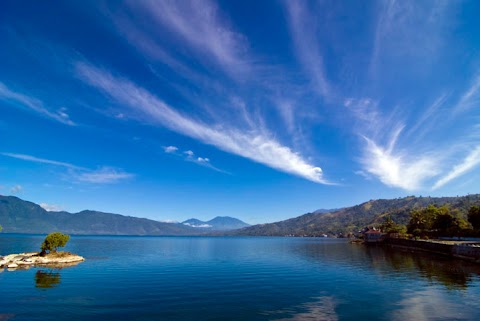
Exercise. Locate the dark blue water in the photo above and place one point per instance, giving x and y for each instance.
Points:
(216, 278)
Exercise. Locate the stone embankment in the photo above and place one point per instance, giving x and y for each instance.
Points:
(14, 261)
(461, 250)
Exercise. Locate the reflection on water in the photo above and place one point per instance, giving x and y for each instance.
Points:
(320, 309)
(47, 279)
(51, 278)
(454, 274)
(429, 304)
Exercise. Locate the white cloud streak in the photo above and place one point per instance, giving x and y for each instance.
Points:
(428, 119)
(470, 98)
(251, 145)
(34, 104)
(469, 163)
(103, 175)
(41, 160)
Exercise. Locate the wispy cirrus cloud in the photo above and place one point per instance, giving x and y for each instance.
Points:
(34, 104)
(215, 59)
(41, 160)
(303, 29)
(470, 98)
(467, 164)
(397, 33)
(102, 175)
(252, 145)
(201, 27)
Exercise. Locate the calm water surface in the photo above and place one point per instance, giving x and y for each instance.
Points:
(203, 278)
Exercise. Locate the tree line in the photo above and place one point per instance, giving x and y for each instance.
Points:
(435, 221)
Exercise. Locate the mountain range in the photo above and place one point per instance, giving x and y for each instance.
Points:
(19, 216)
(352, 219)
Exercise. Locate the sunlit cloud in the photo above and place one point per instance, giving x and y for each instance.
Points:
(251, 145)
(397, 170)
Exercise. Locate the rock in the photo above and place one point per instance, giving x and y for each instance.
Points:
(33, 258)
(12, 266)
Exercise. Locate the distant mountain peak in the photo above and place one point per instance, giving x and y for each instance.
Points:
(219, 223)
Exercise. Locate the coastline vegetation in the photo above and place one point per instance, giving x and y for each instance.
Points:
(436, 221)
(433, 222)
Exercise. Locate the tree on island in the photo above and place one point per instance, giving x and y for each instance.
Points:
(53, 241)
(1, 228)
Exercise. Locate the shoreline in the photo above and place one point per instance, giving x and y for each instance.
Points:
(464, 251)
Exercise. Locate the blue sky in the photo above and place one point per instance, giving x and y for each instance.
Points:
(262, 110)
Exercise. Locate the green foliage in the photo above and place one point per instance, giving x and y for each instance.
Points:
(437, 221)
(424, 220)
(390, 227)
(1, 228)
(474, 217)
(54, 241)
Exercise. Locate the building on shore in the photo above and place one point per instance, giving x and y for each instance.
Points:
(373, 235)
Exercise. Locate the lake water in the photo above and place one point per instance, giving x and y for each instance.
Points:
(235, 278)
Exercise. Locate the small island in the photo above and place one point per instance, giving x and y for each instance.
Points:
(48, 255)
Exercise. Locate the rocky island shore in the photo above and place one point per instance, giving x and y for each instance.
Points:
(13, 261)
